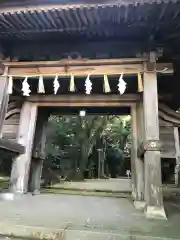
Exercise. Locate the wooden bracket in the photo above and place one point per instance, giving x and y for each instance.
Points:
(150, 66)
(149, 145)
(152, 145)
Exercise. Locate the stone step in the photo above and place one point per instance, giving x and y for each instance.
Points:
(86, 192)
(19, 232)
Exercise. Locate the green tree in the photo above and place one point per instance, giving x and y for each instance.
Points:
(71, 140)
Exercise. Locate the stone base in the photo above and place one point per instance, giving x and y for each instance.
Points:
(36, 192)
(7, 196)
(154, 212)
(140, 205)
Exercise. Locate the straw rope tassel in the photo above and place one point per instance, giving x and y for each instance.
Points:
(10, 85)
(72, 87)
(107, 88)
(140, 83)
(56, 84)
(26, 87)
(41, 85)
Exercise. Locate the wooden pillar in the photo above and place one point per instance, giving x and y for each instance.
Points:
(21, 164)
(36, 171)
(152, 159)
(177, 147)
(4, 98)
(139, 163)
(100, 163)
(133, 151)
(38, 152)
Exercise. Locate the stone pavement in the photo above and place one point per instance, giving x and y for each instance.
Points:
(112, 184)
(83, 217)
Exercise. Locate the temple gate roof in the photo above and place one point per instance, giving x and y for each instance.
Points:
(130, 19)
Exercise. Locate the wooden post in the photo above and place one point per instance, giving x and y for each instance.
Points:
(102, 163)
(38, 152)
(21, 164)
(152, 160)
(4, 98)
(139, 164)
(36, 171)
(177, 147)
(99, 163)
(133, 151)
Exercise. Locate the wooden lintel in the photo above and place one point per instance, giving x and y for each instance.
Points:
(11, 146)
(74, 62)
(83, 67)
(76, 70)
(84, 101)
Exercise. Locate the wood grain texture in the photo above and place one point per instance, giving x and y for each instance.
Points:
(4, 98)
(11, 146)
(83, 67)
(152, 159)
(21, 164)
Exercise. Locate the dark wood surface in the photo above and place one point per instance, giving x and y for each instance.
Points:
(11, 146)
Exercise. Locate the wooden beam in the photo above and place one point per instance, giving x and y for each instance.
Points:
(83, 100)
(86, 98)
(83, 67)
(11, 146)
(76, 70)
(164, 68)
(75, 62)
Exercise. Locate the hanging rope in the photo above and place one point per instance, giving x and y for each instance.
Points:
(107, 88)
(140, 83)
(72, 87)
(41, 88)
(10, 85)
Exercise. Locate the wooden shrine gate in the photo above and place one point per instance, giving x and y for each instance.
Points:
(145, 160)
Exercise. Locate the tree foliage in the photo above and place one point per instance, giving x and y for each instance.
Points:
(73, 139)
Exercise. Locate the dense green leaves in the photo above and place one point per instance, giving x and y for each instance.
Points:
(72, 140)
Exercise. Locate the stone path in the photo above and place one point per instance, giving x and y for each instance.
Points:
(84, 217)
(116, 185)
